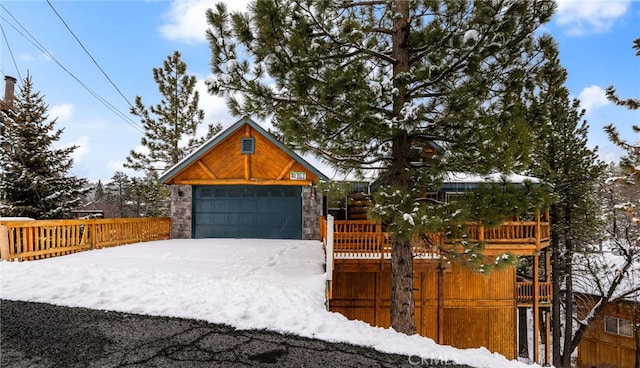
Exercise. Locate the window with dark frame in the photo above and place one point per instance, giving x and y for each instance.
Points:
(618, 326)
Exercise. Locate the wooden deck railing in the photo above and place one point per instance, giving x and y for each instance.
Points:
(524, 292)
(32, 240)
(366, 239)
(509, 232)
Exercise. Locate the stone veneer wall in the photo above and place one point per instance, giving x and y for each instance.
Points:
(181, 199)
(311, 212)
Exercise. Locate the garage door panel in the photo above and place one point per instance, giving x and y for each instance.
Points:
(233, 205)
(202, 206)
(247, 212)
(217, 206)
(262, 205)
(237, 232)
(263, 218)
(277, 219)
(249, 205)
(278, 206)
(206, 218)
(236, 219)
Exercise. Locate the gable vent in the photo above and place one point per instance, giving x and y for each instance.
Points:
(247, 146)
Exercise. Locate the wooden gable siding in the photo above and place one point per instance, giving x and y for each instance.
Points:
(225, 164)
(475, 309)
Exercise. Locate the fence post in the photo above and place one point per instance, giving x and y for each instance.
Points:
(93, 235)
(329, 262)
(4, 243)
(538, 233)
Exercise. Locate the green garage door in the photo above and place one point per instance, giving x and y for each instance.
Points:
(226, 211)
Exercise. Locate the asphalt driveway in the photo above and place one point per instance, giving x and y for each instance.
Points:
(44, 335)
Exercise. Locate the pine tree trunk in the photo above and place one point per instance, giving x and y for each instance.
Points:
(402, 302)
(637, 326)
(523, 333)
(556, 326)
(568, 303)
(542, 327)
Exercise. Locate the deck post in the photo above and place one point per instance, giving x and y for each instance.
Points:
(379, 235)
(538, 231)
(4, 243)
(93, 235)
(547, 346)
(329, 262)
(536, 309)
(547, 265)
(440, 304)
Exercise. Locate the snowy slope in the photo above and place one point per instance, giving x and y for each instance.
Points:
(263, 284)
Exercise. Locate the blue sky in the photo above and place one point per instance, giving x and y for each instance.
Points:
(128, 39)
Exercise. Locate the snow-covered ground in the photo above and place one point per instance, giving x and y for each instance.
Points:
(249, 284)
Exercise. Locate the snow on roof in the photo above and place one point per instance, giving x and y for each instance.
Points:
(461, 177)
(450, 177)
(606, 264)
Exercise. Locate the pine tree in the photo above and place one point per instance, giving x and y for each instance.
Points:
(361, 83)
(170, 126)
(155, 195)
(563, 160)
(35, 178)
(99, 194)
(608, 272)
(631, 161)
(119, 188)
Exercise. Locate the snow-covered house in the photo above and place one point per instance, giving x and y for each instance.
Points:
(612, 336)
(610, 340)
(454, 305)
(244, 183)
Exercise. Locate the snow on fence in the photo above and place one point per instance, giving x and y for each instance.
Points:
(38, 239)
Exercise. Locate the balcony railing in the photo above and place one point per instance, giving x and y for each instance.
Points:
(524, 292)
(366, 239)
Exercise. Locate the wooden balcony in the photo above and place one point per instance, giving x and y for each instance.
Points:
(525, 291)
(362, 245)
(363, 239)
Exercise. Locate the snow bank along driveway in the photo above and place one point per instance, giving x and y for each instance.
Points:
(246, 283)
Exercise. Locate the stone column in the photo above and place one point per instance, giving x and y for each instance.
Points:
(311, 212)
(181, 202)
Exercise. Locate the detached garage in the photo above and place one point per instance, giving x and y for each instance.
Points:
(244, 183)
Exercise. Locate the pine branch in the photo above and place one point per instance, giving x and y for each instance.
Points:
(631, 103)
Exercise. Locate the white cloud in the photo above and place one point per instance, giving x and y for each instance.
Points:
(592, 98)
(215, 108)
(62, 112)
(581, 17)
(141, 149)
(81, 150)
(26, 57)
(115, 165)
(186, 19)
